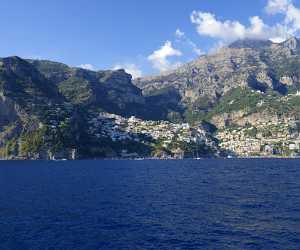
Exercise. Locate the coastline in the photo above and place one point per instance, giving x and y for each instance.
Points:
(159, 159)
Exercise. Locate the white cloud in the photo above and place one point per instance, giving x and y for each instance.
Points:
(293, 18)
(289, 10)
(130, 68)
(180, 35)
(208, 25)
(277, 6)
(160, 58)
(87, 66)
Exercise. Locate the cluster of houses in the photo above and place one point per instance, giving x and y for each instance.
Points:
(265, 139)
(118, 128)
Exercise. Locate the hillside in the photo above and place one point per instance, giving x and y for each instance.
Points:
(257, 65)
(244, 100)
(51, 111)
(248, 85)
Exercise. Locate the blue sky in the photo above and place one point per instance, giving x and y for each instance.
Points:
(139, 35)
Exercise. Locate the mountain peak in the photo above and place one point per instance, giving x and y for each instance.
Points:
(249, 43)
(292, 43)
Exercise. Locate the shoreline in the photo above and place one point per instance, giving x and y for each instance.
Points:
(157, 159)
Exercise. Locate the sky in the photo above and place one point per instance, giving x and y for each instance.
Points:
(143, 36)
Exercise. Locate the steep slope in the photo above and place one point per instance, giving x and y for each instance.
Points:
(111, 90)
(44, 105)
(24, 91)
(250, 91)
(35, 119)
(21, 81)
(258, 65)
(243, 100)
(51, 111)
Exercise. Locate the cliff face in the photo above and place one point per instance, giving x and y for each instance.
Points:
(259, 65)
(43, 106)
(250, 91)
(247, 94)
(8, 111)
(111, 90)
(51, 111)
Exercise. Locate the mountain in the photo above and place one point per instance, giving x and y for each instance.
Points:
(49, 110)
(110, 90)
(258, 65)
(249, 84)
(113, 91)
(243, 100)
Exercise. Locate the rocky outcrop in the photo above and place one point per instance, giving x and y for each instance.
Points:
(8, 111)
(242, 119)
(49, 110)
(261, 65)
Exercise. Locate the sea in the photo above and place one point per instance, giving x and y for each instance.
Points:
(188, 204)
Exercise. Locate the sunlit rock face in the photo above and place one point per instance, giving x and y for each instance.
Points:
(260, 65)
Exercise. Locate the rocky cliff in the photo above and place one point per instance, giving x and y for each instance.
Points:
(258, 65)
(251, 85)
(51, 111)
(243, 100)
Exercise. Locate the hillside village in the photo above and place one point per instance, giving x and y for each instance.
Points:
(242, 101)
(264, 139)
(169, 137)
(265, 136)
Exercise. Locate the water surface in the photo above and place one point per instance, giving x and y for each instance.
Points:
(209, 204)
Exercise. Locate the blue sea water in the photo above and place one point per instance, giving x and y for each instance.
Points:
(209, 204)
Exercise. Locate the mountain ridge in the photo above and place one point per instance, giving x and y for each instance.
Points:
(239, 64)
(244, 100)
(49, 110)
(250, 84)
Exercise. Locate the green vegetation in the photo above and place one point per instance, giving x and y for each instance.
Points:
(50, 102)
(280, 105)
(203, 103)
(10, 148)
(113, 149)
(76, 90)
(243, 99)
(238, 99)
(195, 116)
(251, 132)
(32, 142)
(160, 91)
(288, 67)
